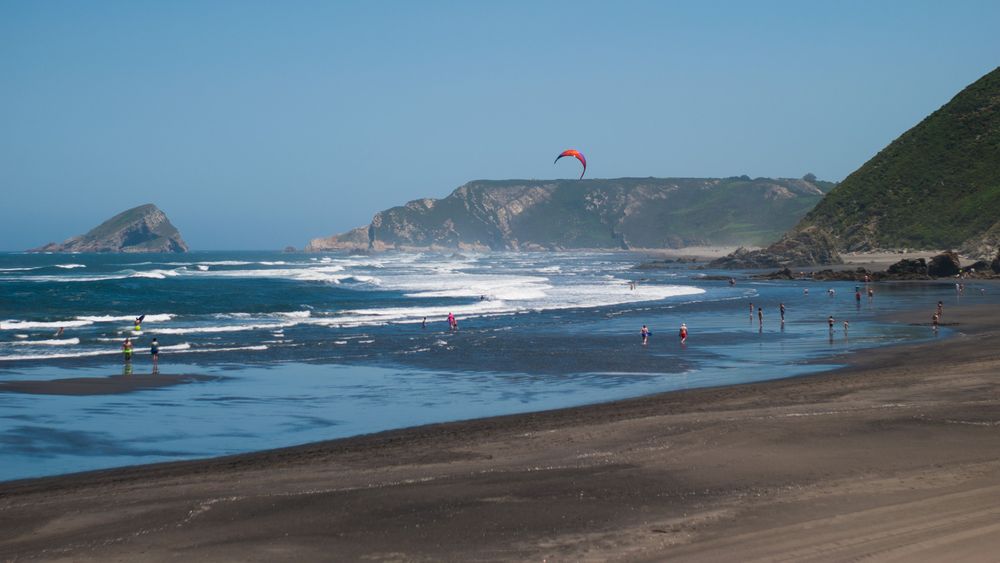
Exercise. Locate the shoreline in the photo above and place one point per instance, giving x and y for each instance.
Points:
(707, 473)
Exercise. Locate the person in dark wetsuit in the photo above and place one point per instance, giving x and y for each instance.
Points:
(781, 308)
(154, 351)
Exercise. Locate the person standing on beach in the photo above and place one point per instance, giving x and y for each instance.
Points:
(781, 307)
(940, 309)
(829, 321)
(751, 312)
(154, 351)
(760, 317)
(871, 293)
(423, 323)
(934, 321)
(645, 334)
(452, 321)
(127, 349)
(847, 324)
(684, 333)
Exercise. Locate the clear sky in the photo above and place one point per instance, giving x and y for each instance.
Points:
(256, 125)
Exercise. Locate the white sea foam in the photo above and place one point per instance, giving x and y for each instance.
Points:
(205, 329)
(27, 325)
(53, 356)
(70, 266)
(18, 269)
(184, 347)
(50, 342)
(156, 318)
(155, 274)
(203, 267)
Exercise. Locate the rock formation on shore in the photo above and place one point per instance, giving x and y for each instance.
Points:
(140, 229)
(574, 214)
(936, 186)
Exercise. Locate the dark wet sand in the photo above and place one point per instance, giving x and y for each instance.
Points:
(896, 457)
(109, 385)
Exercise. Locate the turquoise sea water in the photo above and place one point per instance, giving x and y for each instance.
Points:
(303, 347)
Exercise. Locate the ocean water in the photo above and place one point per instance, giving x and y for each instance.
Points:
(304, 347)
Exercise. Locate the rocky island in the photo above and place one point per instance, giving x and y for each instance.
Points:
(623, 213)
(140, 229)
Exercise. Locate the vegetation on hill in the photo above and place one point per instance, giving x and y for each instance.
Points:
(936, 186)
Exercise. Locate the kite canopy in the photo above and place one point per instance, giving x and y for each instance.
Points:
(579, 156)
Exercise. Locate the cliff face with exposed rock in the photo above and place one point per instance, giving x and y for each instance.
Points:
(140, 229)
(573, 214)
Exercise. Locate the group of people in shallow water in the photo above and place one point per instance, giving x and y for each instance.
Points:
(128, 348)
(646, 333)
(154, 351)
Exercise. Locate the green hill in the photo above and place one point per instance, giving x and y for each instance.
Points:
(936, 186)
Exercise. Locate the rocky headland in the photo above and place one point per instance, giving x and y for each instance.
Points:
(624, 213)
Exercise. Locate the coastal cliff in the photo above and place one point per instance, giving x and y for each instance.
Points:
(140, 229)
(619, 213)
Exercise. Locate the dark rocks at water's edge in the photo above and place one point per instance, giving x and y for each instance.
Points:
(945, 265)
(289, 249)
(665, 263)
(807, 247)
(140, 229)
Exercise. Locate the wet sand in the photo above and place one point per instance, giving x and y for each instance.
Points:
(109, 385)
(896, 457)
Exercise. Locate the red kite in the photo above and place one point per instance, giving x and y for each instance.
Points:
(579, 156)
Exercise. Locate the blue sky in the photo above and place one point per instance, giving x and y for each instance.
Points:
(257, 125)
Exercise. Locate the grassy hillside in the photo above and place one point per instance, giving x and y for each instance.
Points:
(936, 186)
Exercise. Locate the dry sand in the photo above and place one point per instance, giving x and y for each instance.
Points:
(896, 457)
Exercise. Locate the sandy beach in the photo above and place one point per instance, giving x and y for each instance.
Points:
(894, 457)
